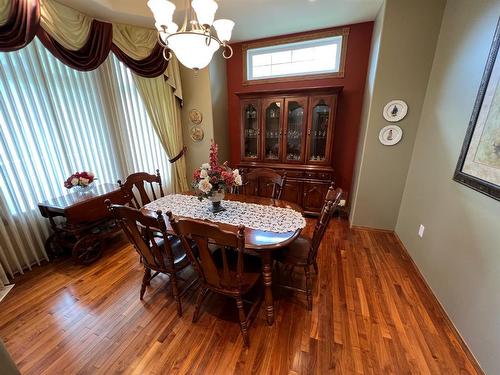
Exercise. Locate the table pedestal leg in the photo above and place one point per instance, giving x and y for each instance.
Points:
(267, 262)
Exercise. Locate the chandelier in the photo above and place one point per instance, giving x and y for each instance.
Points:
(194, 43)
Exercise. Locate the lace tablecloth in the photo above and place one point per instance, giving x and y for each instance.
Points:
(251, 215)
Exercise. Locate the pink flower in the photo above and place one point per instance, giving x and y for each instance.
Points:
(214, 154)
(79, 179)
(227, 177)
(196, 174)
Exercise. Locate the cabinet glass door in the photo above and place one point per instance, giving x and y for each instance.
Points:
(296, 109)
(320, 129)
(272, 110)
(251, 131)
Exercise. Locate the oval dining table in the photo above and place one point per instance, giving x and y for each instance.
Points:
(261, 242)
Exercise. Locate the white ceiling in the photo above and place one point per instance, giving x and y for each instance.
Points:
(254, 18)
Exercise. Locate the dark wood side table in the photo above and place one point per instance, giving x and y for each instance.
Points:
(86, 221)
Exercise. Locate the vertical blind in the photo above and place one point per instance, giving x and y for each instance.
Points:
(54, 121)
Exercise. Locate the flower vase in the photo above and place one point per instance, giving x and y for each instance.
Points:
(85, 189)
(216, 199)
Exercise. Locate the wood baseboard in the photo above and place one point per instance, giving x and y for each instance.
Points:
(446, 318)
(359, 227)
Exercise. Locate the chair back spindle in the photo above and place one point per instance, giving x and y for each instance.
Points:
(229, 241)
(332, 201)
(140, 230)
(260, 178)
(134, 188)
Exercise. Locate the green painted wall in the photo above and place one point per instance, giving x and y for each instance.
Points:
(408, 37)
(459, 254)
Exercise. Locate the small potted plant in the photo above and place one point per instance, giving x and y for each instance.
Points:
(213, 180)
(82, 181)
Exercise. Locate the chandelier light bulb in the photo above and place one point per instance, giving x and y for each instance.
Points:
(163, 11)
(224, 29)
(205, 11)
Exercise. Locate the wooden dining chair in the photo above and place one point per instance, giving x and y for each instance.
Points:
(303, 251)
(263, 182)
(139, 181)
(227, 270)
(163, 254)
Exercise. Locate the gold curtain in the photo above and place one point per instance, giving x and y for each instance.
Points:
(71, 29)
(173, 73)
(66, 25)
(138, 42)
(164, 111)
(4, 11)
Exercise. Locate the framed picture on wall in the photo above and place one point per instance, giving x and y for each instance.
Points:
(479, 163)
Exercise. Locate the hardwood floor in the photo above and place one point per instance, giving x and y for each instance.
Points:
(372, 314)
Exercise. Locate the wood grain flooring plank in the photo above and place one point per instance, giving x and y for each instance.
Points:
(372, 314)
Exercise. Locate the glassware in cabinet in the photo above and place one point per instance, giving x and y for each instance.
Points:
(320, 130)
(296, 121)
(250, 145)
(272, 116)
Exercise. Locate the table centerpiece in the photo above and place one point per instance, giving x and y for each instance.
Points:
(212, 180)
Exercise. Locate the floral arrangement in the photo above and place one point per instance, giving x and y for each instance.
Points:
(211, 178)
(82, 179)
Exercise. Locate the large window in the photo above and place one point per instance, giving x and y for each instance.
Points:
(55, 120)
(319, 54)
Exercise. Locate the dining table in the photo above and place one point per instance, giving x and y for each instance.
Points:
(261, 242)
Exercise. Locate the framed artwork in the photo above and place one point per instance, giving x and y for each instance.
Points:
(479, 163)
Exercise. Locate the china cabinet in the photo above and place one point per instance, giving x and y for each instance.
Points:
(291, 132)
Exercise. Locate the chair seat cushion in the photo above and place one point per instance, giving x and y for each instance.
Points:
(180, 258)
(296, 253)
(252, 267)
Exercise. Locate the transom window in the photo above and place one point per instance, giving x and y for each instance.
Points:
(315, 56)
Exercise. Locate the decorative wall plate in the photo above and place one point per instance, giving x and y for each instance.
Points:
(197, 134)
(390, 135)
(195, 116)
(395, 110)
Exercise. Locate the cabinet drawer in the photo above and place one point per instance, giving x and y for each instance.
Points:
(324, 176)
(313, 175)
(294, 174)
(292, 192)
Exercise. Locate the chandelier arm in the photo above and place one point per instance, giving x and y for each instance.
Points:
(168, 54)
(208, 39)
(227, 47)
(161, 42)
(186, 14)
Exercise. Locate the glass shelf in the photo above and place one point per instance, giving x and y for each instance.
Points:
(318, 133)
(295, 129)
(251, 131)
(272, 129)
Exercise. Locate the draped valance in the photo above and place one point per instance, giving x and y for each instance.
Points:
(19, 22)
(82, 42)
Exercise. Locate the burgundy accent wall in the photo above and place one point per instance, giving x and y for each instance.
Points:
(349, 105)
